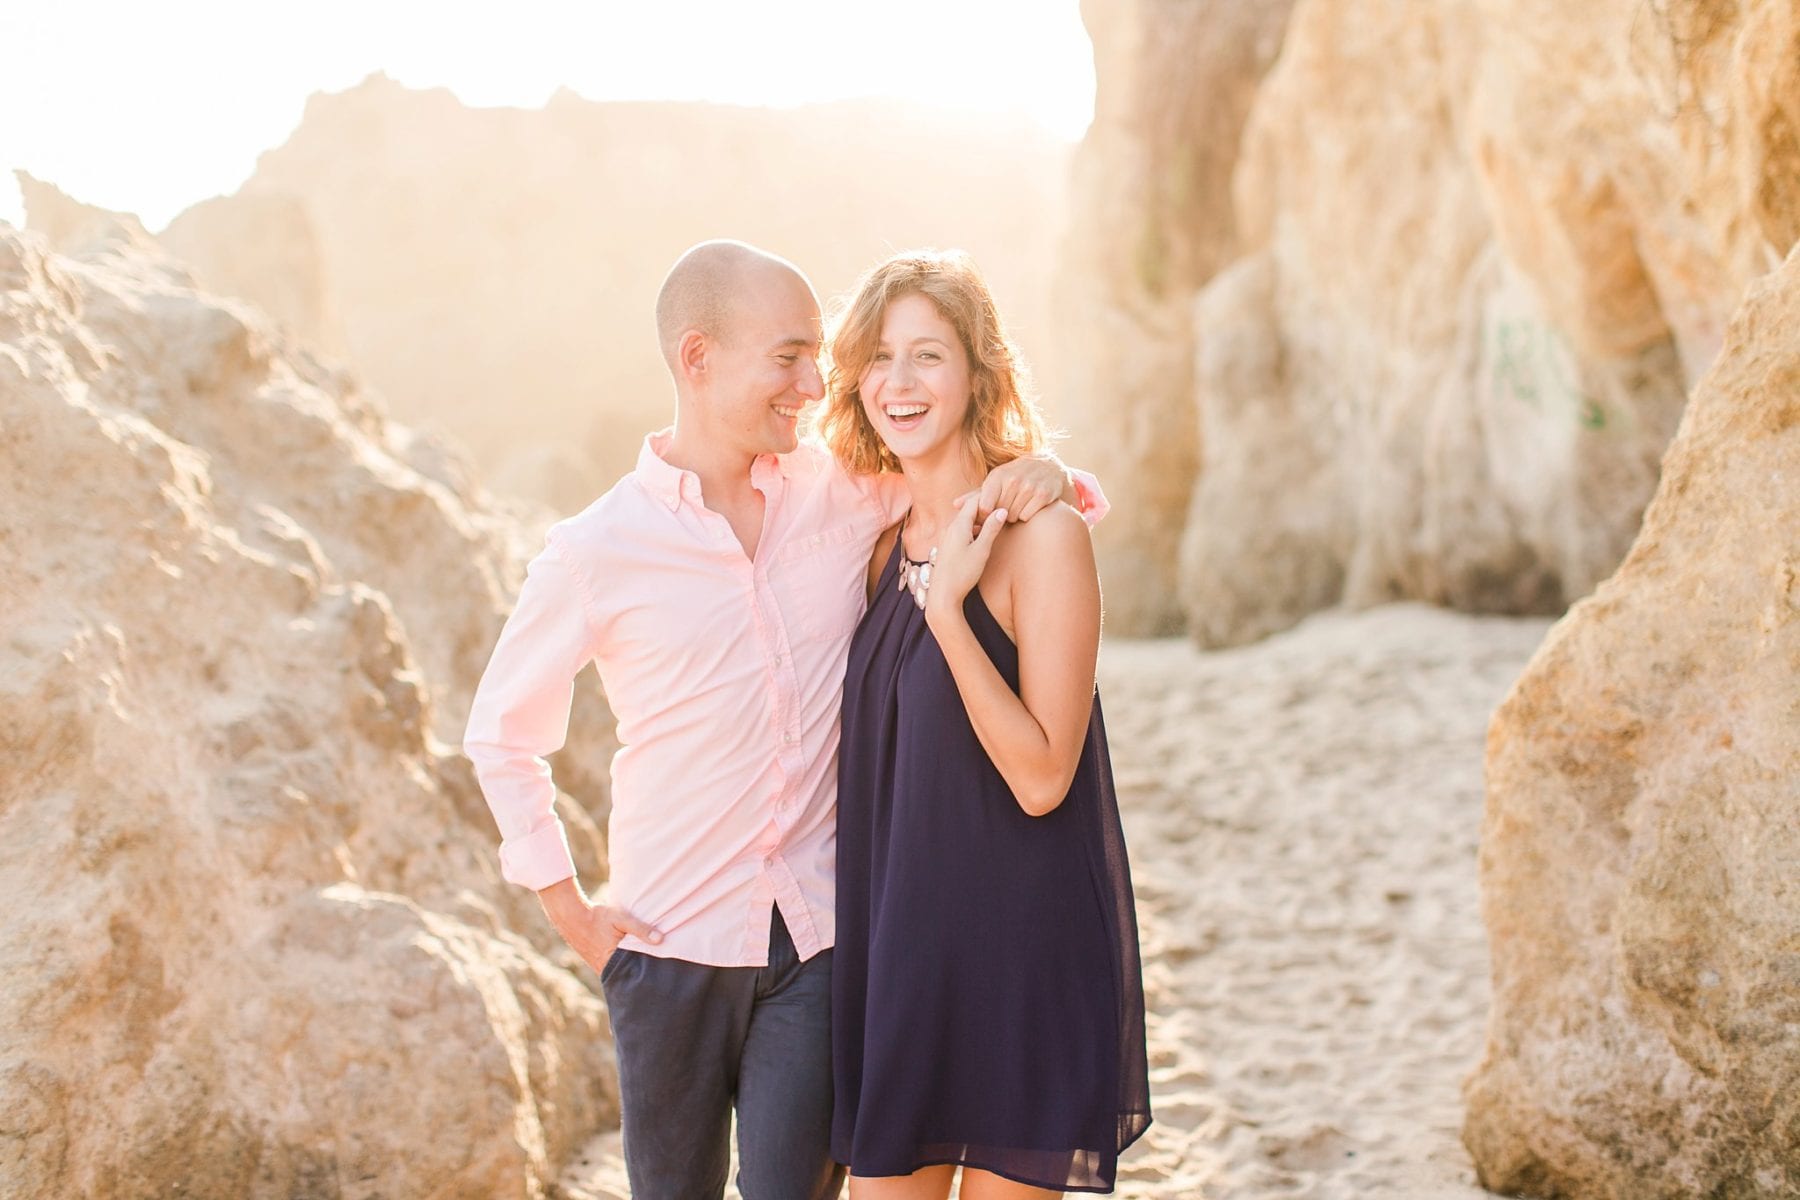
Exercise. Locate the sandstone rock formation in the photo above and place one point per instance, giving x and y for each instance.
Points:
(76, 227)
(1484, 253)
(495, 269)
(1151, 221)
(1641, 847)
(267, 250)
(258, 943)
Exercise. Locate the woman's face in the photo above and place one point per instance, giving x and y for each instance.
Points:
(915, 391)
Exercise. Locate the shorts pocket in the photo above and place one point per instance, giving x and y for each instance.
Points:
(610, 968)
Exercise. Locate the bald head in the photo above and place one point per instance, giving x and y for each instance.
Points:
(706, 286)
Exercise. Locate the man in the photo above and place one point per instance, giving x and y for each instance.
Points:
(716, 587)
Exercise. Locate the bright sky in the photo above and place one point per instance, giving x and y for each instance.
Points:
(149, 107)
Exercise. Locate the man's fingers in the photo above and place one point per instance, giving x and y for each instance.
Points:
(993, 490)
(1033, 504)
(995, 497)
(624, 922)
(981, 507)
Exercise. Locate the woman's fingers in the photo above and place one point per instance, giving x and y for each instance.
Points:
(962, 552)
(962, 523)
(990, 529)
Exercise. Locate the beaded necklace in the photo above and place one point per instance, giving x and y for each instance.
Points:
(915, 576)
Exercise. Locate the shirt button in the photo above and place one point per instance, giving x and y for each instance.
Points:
(778, 660)
(788, 738)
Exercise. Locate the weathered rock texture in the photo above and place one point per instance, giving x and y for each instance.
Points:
(1641, 849)
(1151, 223)
(1486, 249)
(266, 249)
(257, 944)
(495, 269)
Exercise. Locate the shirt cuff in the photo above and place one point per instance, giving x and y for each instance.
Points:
(1092, 501)
(539, 858)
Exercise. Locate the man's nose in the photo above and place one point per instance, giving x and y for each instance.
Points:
(812, 384)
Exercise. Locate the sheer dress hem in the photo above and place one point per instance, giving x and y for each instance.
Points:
(1094, 1179)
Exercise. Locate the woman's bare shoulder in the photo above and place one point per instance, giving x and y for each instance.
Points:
(1038, 558)
(1056, 531)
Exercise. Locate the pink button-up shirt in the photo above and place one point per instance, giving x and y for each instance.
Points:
(725, 675)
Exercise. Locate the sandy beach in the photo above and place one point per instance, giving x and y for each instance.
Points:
(1303, 817)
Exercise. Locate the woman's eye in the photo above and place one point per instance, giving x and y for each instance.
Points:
(881, 356)
(929, 356)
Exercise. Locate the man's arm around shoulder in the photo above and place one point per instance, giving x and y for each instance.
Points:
(1023, 487)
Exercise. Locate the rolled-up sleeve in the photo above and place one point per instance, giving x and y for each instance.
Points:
(1091, 500)
(520, 714)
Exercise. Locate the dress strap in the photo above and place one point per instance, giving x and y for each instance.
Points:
(900, 541)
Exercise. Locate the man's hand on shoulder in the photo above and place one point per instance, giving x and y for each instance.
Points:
(592, 930)
(1024, 487)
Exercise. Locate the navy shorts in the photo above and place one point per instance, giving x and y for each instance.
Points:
(694, 1042)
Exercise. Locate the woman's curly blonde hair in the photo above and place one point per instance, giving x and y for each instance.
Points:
(1002, 423)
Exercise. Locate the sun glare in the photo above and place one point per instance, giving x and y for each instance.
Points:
(149, 108)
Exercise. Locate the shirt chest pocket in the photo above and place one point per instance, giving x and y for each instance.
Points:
(818, 582)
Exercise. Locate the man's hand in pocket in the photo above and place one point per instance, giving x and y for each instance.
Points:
(594, 931)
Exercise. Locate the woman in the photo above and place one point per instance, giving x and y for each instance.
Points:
(987, 1004)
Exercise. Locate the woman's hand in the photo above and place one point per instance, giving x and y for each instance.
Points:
(962, 555)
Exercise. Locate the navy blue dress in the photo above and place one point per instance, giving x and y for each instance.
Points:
(987, 1000)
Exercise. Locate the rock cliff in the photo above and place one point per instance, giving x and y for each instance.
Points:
(1152, 222)
(1641, 845)
(267, 250)
(1478, 257)
(259, 945)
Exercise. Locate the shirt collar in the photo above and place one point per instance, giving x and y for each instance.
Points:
(671, 484)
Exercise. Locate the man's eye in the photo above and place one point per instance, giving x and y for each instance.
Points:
(787, 360)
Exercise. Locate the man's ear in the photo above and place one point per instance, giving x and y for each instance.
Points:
(691, 352)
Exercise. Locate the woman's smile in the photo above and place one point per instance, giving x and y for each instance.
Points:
(903, 417)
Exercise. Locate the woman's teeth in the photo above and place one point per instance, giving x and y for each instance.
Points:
(900, 412)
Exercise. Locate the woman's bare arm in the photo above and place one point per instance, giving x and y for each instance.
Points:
(1035, 737)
